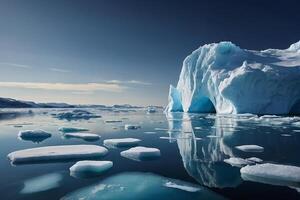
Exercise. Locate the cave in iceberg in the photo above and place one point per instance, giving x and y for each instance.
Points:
(223, 78)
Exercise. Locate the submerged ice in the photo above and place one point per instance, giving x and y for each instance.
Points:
(223, 78)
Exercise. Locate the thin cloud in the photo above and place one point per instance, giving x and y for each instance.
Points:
(59, 70)
(128, 82)
(16, 65)
(81, 87)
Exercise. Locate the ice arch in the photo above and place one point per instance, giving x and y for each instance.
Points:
(230, 80)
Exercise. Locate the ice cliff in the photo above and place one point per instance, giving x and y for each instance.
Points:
(223, 78)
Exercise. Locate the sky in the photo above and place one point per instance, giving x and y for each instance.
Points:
(126, 51)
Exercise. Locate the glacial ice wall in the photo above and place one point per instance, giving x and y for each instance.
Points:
(223, 78)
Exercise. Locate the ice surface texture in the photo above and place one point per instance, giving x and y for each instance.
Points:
(84, 136)
(141, 153)
(56, 153)
(122, 142)
(87, 168)
(224, 78)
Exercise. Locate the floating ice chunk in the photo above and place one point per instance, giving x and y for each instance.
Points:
(151, 109)
(161, 129)
(297, 131)
(296, 123)
(182, 186)
(42, 183)
(250, 148)
(286, 135)
(86, 168)
(213, 136)
(72, 129)
(254, 160)
(122, 142)
(131, 127)
(237, 162)
(56, 153)
(136, 185)
(76, 115)
(197, 128)
(274, 174)
(85, 136)
(141, 153)
(150, 132)
(34, 135)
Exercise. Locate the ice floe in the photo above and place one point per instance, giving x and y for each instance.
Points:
(250, 148)
(137, 185)
(84, 136)
(42, 183)
(76, 115)
(121, 142)
(141, 153)
(72, 129)
(87, 168)
(34, 135)
(150, 132)
(274, 174)
(237, 162)
(56, 153)
(255, 160)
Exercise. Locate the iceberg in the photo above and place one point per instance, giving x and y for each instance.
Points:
(141, 153)
(87, 168)
(250, 148)
(223, 78)
(34, 135)
(76, 114)
(84, 136)
(56, 153)
(146, 186)
(72, 129)
(122, 142)
(274, 174)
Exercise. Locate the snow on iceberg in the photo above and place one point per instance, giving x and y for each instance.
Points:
(274, 174)
(122, 142)
(86, 168)
(34, 135)
(84, 136)
(56, 153)
(224, 78)
(141, 153)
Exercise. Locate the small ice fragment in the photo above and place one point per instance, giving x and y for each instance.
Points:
(197, 128)
(213, 136)
(161, 129)
(131, 127)
(84, 136)
(274, 174)
(122, 142)
(237, 162)
(71, 129)
(56, 153)
(86, 168)
(184, 187)
(250, 148)
(141, 153)
(255, 160)
(297, 131)
(286, 135)
(34, 134)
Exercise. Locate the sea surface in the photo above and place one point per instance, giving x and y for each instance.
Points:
(193, 149)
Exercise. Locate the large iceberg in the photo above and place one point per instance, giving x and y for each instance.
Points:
(223, 78)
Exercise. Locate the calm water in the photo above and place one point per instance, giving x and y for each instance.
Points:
(193, 157)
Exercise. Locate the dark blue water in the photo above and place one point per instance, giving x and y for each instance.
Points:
(193, 157)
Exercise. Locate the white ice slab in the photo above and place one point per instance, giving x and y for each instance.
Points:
(56, 153)
(121, 142)
(250, 148)
(274, 174)
(90, 167)
(141, 153)
(254, 160)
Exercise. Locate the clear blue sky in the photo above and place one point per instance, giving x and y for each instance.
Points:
(109, 52)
